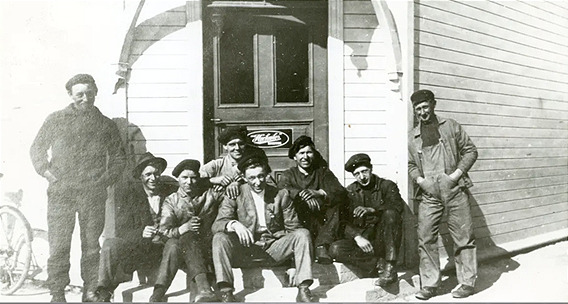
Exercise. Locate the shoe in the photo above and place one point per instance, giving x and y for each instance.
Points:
(58, 297)
(304, 295)
(205, 296)
(158, 295)
(426, 293)
(103, 295)
(380, 268)
(89, 296)
(388, 276)
(322, 257)
(227, 296)
(463, 291)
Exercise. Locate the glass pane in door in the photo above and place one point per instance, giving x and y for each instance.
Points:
(236, 56)
(292, 64)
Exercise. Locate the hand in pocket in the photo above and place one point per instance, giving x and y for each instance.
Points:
(429, 186)
(448, 187)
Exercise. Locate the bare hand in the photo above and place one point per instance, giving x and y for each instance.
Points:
(429, 186)
(364, 244)
(307, 194)
(313, 204)
(245, 236)
(361, 211)
(218, 188)
(233, 190)
(149, 231)
(194, 223)
(225, 181)
(49, 176)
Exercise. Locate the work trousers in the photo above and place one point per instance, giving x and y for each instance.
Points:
(455, 200)
(385, 236)
(121, 257)
(195, 251)
(228, 253)
(323, 224)
(63, 203)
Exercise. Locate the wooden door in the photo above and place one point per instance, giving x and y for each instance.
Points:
(266, 68)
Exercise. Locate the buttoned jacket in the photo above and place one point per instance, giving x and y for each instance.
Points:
(280, 215)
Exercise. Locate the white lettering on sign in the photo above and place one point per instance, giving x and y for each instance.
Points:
(272, 139)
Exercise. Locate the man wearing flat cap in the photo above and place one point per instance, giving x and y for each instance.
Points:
(139, 245)
(187, 216)
(222, 172)
(87, 156)
(440, 153)
(372, 221)
(260, 224)
(316, 193)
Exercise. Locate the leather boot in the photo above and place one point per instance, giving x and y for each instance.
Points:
(389, 275)
(322, 257)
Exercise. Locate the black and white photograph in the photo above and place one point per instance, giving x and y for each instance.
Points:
(283, 151)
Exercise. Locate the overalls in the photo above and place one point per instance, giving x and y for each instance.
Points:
(444, 193)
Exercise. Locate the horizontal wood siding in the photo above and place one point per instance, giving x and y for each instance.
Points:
(365, 81)
(500, 69)
(164, 90)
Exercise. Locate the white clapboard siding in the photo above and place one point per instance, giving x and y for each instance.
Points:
(164, 90)
(366, 108)
(499, 68)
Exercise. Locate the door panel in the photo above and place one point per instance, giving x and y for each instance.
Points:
(268, 71)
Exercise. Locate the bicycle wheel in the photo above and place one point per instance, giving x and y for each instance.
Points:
(15, 249)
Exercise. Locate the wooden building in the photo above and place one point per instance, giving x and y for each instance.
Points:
(342, 72)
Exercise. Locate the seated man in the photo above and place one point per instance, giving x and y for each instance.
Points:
(187, 216)
(372, 223)
(316, 193)
(223, 172)
(138, 244)
(260, 223)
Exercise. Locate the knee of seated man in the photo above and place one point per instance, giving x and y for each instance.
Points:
(220, 238)
(171, 246)
(302, 233)
(390, 217)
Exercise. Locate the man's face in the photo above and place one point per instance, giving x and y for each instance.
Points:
(305, 157)
(149, 177)
(256, 178)
(424, 111)
(235, 148)
(83, 96)
(363, 175)
(187, 181)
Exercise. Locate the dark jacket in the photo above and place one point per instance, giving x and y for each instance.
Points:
(133, 212)
(320, 178)
(457, 144)
(86, 149)
(385, 196)
(280, 215)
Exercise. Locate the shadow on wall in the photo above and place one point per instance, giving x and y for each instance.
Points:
(486, 247)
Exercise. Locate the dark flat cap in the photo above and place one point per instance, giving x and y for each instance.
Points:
(231, 133)
(253, 156)
(356, 161)
(298, 144)
(421, 96)
(186, 164)
(149, 159)
(81, 78)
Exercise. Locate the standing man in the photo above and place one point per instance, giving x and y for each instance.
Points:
(316, 193)
(187, 216)
(260, 223)
(139, 244)
(373, 222)
(86, 157)
(440, 153)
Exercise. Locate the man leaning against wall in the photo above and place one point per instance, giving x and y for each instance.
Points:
(440, 153)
